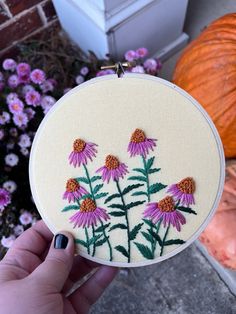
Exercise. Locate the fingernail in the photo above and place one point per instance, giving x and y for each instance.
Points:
(60, 241)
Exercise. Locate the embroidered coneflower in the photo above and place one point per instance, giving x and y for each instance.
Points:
(139, 144)
(82, 151)
(73, 190)
(113, 169)
(89, 214)
(183, 191)
(165, 211)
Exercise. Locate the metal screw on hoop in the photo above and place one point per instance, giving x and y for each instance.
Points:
(119, 67)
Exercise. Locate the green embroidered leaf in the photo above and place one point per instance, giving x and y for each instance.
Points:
(140, 170)
(97, 188)
(155, 236)
(150, 163)
(102, 227)
(111, 197)
(101, 242)
(138, 178)
(82, 179)
(133, 204)
(122, 250)
(95, 178)
(134, 231)
(70, 207)
(156, 187)
(174, 241)
(94, 239)
(119, 206)
(139, 193)
(154, 170)
(117, 214)
(100, 195)
(149, 223)
(144, 250)
(81, 242)
(186, 210)
(131, 187)
(118, 226)
(147, 236)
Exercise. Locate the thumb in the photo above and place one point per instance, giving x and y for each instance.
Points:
(58, 262)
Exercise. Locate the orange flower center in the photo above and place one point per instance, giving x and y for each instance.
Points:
(166, 204)
(15, 106)
(88, 205)
(79, 145)
(111, 162)
(138, 136)
(72, 185)
(186, 185)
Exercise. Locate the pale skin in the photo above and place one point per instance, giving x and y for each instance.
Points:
(35, 277)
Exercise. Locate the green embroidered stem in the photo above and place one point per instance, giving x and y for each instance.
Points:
(164, 239)
(126, 218)
(87, 239)
(108, 241)
(153, 244)
(155, 241)
(91, 191)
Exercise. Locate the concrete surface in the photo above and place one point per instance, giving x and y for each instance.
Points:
(186, 283)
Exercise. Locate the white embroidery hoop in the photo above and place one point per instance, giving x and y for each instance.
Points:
(159, 81)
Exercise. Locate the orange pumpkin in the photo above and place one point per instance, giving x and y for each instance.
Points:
(207, 70)
(220, 235)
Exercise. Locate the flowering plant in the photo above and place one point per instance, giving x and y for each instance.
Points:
(26, 96)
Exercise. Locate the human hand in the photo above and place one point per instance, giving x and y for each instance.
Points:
(35, 277)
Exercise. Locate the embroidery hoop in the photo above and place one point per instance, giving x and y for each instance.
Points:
(220, 153)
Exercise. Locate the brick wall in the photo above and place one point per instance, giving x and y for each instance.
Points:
(21, 19)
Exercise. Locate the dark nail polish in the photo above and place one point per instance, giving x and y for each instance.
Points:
(60, 241)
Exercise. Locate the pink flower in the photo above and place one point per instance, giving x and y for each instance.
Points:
(30, 113)
(66, 90)
(20, 119)
(13, 81)
(105, 72)
(139, 144)
(24, 151)
(8, 241)
(183, 191)
(79, 79)
(47, 86)
(37, 76)
(2, 134)
(26, 218)
(4, 118)
(82, 151)
(24, 141)
(11, 97)
(73, 191)
(142, 52)
(138, 69)
(24, 79)
(11, 160)
(23, 69)
(84, 71)
(113, 169)
(10, 186)
(5, 199)
(151, 65)
(47, 102)
(9, 64)
(131, 55)
(165, 212)
(89, 214)
(33, 98)
(27, 88)
(18, 230)
(16, 106)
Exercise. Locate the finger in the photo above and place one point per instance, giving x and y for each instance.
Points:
(55, 270)
(92, 289)
(28, 247)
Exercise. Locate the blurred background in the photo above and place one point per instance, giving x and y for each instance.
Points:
(48, 47)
